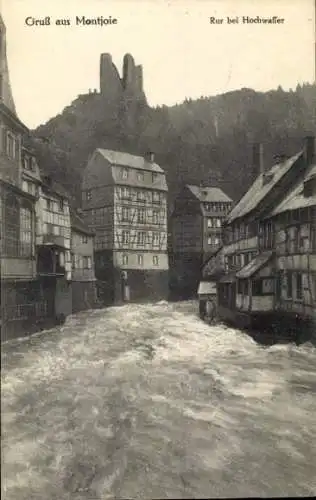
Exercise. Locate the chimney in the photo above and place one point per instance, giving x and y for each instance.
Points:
(150, 157)
(309, 149)
(257, 159)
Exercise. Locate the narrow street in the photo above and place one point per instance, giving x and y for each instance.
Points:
(147, 401)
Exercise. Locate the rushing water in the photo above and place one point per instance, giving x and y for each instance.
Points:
(147, 401)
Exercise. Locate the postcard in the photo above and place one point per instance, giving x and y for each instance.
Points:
(157, 248)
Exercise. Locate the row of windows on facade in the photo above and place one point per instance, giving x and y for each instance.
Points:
(127, 193)
(260, 286)
(213, 240)
(140, 175)
(217, 207)
(56, 218)
(214, 222)
(239, 232)
(141, 238)
(155, 217)
(239, 260)
(298, 239)
(55, 230)
(30, 187)
(293, 284)
(140, 260)
(81, 262)
(55, 206)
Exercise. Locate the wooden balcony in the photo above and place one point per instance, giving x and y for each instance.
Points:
(54, 240)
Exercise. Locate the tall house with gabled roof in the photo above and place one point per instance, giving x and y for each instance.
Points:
(196, 233)
(17, 213)
(124, 202)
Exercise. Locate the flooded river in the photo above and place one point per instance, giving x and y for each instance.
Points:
(147, 401)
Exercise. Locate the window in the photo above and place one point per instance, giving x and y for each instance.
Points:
(291, 239)
(62, 259)
(84, 238)
(89, 194)
(125, 259)
(141, 238)
(140, 176)
(140, 195)
(26, 232)
(155, 239)
(209, 222)
(61, 205)
(124, 173)
(213, 240)
(141, 216)
(125, 237)
(126, 193)
(125, 214)
(140, 260)
(299, 287)
(154, 176)
(155, 260)
(156, 197)
(155, 217)
(218, 223)
(12, 146)
(48, 204)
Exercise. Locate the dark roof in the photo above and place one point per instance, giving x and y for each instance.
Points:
(127, 160)
(253, 266)
(78, 224)
(208, 194)
(296, 199)
(259, 190)
(55, 187)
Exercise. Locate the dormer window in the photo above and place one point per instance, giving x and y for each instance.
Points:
(124, 173)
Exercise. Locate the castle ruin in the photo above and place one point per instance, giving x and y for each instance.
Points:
(131, 83)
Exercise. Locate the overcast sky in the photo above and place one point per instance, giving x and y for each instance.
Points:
(182, 54)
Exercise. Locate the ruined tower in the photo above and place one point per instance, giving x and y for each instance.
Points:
(131, 83)
(110, 82)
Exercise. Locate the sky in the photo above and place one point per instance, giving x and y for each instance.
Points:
(182, 53)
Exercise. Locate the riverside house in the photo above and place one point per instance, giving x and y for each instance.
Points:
(196, 234)
(269, 245)
(125, 204)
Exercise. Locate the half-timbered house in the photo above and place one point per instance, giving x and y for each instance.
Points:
(125, 204)
(247, 292)
(83, 275)
(17, 216)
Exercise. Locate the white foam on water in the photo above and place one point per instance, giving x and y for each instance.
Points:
(154, 383)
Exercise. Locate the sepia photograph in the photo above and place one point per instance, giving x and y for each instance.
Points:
(157, 249)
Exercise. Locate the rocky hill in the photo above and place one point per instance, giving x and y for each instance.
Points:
(205, 140)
